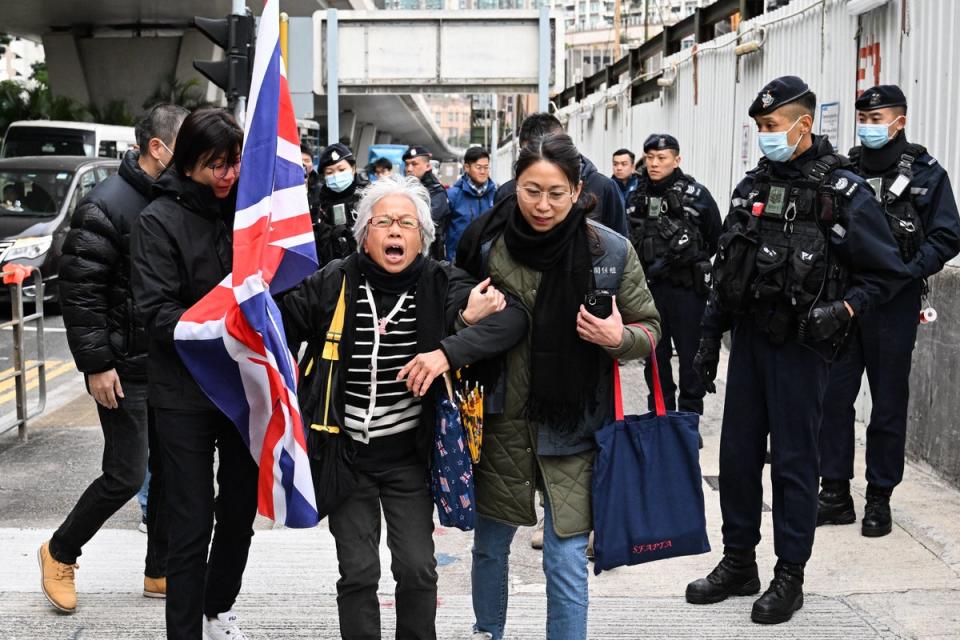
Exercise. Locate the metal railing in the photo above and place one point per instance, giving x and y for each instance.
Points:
(13, 277)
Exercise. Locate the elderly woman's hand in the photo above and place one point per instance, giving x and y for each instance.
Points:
(606, 332)
(484, 300)
(423, 370)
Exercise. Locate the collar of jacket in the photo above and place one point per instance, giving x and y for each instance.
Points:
(134, 175)
(430, 181)
(467, 186)
(198, 198)
(881, 161)
(660, 186)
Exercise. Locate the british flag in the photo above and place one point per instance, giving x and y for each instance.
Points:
(232, 341)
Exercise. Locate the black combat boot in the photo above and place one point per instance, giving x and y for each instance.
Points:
(782, 597)
(736, 575)
(835, 505)
(876, 515)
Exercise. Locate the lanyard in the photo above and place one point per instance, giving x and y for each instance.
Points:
(380, 327)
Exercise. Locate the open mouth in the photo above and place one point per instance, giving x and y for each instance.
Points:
(394, 252)
(541, 221)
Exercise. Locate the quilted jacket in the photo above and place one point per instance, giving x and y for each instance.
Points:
(513, 462)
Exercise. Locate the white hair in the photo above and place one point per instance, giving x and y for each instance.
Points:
(407, 186)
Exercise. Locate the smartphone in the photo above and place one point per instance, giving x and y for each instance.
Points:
(599, 303)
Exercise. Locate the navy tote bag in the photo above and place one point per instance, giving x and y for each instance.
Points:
(647, 486)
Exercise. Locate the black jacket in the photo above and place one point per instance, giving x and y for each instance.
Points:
(102, 329)
(609, 210)
(441, 293)
(181, 249)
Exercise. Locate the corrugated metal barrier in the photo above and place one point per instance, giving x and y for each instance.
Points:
(912, 43)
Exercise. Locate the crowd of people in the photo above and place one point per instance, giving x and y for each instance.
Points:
(817, 271)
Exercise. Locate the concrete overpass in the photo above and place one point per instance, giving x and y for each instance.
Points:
(108, 50)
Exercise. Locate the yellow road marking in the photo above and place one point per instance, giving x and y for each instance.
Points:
(33, 380)
(6, 385)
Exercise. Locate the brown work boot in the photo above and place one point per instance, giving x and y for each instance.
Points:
(57, 580)
(154, 587)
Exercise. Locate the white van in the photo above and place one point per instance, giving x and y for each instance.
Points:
(61, 138)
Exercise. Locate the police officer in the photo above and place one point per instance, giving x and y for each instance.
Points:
(915, 193)
(337, 200)
(417, 163)
(804, 249)
(674, 225)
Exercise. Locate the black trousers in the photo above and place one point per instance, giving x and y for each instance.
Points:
(404, 495)
(198, 585)
(884, 347)
(124, 465)
(775, 390)
(681, 310)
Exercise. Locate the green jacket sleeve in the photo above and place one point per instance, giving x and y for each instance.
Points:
(636, 307)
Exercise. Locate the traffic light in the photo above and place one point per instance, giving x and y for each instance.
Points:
(234, 34)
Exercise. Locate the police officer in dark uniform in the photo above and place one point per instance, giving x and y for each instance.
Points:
(674, 225)
(804, 249)
(417, 163)
(338, 199)
(915, 193)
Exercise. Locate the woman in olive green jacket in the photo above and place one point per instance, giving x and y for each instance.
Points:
(540, 247)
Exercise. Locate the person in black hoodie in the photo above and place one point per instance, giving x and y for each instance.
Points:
(416, 161)
(609, 211)
(181, 250)
(337, 201)
(109, 346)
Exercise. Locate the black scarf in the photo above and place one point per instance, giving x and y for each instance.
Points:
(390, 283)
(563, 368)
(878, 162)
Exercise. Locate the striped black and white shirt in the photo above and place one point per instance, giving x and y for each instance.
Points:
(377, 404)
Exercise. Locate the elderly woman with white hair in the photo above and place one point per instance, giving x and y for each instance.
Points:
(408, 320)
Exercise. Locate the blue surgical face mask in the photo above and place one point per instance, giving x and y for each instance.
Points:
(775, 146)
(339, 181)
(874, 136)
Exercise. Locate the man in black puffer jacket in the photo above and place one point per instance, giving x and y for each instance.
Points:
(109, 346)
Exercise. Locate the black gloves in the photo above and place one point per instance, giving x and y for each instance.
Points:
(826, 321)
(706, 361)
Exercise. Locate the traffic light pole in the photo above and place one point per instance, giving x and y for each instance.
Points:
(333, 79)
(240, 109)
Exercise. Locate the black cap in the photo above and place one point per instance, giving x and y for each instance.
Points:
(881, 97)
(415, 151)
(783, 90)
(333, 154)
(661, 141)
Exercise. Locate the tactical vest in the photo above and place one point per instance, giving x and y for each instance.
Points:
(893, 192)
(665, 230)
(777, 265)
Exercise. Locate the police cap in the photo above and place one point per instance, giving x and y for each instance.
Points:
(415, 151)
(660, 142)
(334, 154)
(776, 93)
(881, 97)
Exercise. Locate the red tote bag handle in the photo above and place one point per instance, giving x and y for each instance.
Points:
(659, 405)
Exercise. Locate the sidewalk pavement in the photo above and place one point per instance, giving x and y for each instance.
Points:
(905, 585)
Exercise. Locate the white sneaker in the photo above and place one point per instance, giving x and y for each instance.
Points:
(143, 525)
(482, 635)
(223, 627)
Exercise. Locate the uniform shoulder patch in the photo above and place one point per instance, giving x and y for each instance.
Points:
(844, 185)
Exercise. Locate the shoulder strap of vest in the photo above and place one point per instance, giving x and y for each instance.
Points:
(854, 155)
(819, 169)
(613, 258)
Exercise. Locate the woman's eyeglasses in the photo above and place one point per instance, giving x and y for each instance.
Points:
(221, 169)
(532, 195)
(385, 222)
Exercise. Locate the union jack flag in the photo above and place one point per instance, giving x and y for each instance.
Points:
(232, 340)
